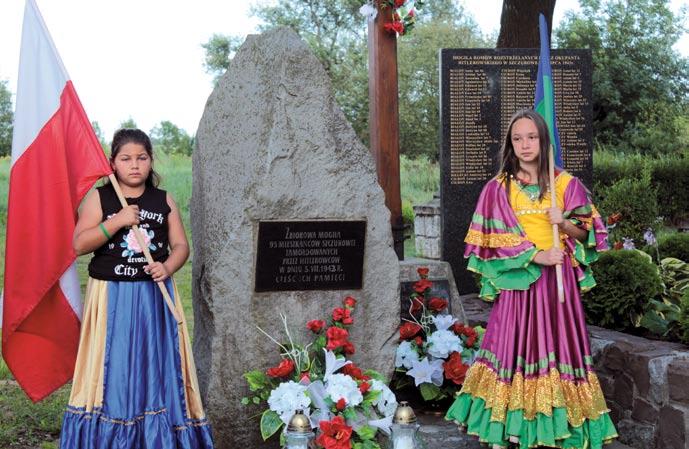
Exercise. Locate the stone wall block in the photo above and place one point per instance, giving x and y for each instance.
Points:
(624, 391)
(673, 427)
(636, 435)
(420, 225)
(678, 380)
(657, 372)
(644, 411)
(435, 226)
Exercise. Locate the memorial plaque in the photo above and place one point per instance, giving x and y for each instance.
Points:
(480, 89)
(310, 255)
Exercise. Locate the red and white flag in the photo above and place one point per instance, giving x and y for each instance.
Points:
(56, 159)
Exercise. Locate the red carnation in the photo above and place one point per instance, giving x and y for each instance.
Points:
(421, 286)
(341, 404)
(471, 340)
(408, 330)
(411, 13)
(348, 348)
(437, 304)
(364, 387)
(336, 337)
(284, 369)
(416, 306)
(335, 434)
(423, 272)
(394, 27)
(455, 370)
(419, 341)
(399, 3)
(349, 301)
(342, 315)
(458, 328)
(614, 218)
(354, 371)
(315, 325)
(305, 377)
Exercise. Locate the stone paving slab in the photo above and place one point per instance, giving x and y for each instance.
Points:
(437, 433)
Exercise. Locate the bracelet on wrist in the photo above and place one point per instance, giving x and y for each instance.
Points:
(105, 231)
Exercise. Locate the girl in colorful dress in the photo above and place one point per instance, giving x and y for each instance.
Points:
(135, 382)
(532, 383)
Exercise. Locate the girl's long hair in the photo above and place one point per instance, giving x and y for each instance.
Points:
(132, 135)
(509, 164)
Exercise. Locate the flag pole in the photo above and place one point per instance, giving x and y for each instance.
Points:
(147, 253)
(556, 231)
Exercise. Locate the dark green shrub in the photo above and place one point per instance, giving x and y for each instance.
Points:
(683, 322)
(674, 245)
(635, 199)
(626, 281)
(670, 177)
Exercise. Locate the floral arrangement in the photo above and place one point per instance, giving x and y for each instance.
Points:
(345, 405)
(403, 14)
(435, 350)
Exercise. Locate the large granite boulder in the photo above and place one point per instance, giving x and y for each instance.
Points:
(273, 145)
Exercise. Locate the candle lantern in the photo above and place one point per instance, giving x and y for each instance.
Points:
(298, 434)
(404, 428)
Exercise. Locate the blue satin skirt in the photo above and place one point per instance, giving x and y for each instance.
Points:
(135, 383)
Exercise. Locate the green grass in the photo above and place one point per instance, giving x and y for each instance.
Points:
(27, 425)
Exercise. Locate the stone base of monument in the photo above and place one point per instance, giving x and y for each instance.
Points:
(444, 285)
(427, 229)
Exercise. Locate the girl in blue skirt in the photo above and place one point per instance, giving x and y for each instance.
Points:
(135, 383)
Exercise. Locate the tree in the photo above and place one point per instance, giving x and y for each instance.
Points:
(640, 84)
(171, 139)
(519, 23)
(6, 119)
(129, 123)
(418, 77)
(219, 51)
(99, 134)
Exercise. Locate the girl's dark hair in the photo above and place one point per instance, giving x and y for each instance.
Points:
(132, 135)
(509, 164)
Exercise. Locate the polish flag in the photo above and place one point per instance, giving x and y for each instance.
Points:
(56, 159)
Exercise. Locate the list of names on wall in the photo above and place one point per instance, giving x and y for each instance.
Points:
(310, 255)
(483, 88)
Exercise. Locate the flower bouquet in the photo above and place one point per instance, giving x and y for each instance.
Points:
(435, 350)
(345, 405)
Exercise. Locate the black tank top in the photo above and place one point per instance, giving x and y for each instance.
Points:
(121, 258)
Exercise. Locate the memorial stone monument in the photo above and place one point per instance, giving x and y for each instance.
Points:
(480, 89)
(287, 217)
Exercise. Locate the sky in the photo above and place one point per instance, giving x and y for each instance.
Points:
(143, 59)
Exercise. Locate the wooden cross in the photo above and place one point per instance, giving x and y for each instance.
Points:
(384, 117)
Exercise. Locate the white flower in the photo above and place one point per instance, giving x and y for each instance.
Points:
(287, 398)
(341, 386)
(405, 355)
(650, 237)
(443, 342)
(427, 372)
(332, 363)
(386, 402)
(369, 11)
(628, 243)
(443, 322)
(383, 424)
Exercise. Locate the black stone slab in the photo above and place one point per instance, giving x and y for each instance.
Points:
(310, 255)
(440, 289)
(480, 89)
